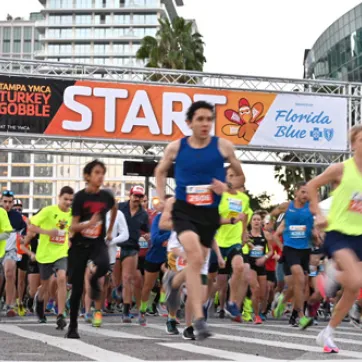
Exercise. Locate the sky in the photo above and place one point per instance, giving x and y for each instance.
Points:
(248, 37)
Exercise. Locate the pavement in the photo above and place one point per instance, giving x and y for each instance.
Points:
(23, 339)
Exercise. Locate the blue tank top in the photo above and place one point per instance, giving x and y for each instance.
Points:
(194, 171)
(298, 227)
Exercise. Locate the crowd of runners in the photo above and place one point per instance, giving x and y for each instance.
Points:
(199, 253)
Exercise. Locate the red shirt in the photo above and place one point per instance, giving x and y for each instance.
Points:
(271, 264)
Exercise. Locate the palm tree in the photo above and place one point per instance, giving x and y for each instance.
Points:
(174, 47)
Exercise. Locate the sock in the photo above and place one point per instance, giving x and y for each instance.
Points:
(171, 317)
(295, 313)
(143, 308)
(151, 299)
(119, 289)
(126, 308)
(163, 298)
(329, 329)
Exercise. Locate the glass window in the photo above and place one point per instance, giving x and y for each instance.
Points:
(118, 48)
(82, 48)
(83, 4)
(20, 171)
(25, 201)
(135, 48)
(27, 46)
(66, 33)
(83, 33)
(83, 19)
(3, 170)
(17, 46)
(20, 157)
(20, 188)
(119, 32)
(118, 61)
(28, 33)
(40, 203)
(66, 49)
(43, 171)
(121, 19)
(43, 188)
(37, 45)
(99, 48)
(99, 33)
(17, 33)
(6, 46)
(3, 157)
(43, 158)
(3, 185)
(150, 31)
(7, 33)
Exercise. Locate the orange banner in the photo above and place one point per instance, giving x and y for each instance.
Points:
(154, 113)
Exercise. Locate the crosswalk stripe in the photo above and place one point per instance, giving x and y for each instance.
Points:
(265, 342)
(296, 335)
(233, 356)
(72, 346)
(342, 328)
(110, 333)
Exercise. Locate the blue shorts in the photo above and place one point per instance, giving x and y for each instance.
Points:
(335, 241)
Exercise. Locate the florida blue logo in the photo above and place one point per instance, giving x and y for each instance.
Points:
(328, 134)
(316, 134)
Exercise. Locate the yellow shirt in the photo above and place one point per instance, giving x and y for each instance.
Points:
(5, 227)
(51, 249)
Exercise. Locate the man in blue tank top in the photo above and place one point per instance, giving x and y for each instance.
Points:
(200, 181)
(297, 231)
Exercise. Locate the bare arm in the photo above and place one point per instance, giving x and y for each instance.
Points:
(78, 227)
(279, 233)
(333, 174)
(269, 238)
(227, 150)
(37, 230)
(162, 169)
(112, 221)
(166, 217)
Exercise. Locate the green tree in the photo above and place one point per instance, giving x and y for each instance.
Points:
(259, 202)
(175, 46)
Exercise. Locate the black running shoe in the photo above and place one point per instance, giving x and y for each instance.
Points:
(72, 333)
(61, 323)
(188, 333)
(171, 327)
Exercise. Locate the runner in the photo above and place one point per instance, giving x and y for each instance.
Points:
(10, 257)
(52, 224)
(90, 207)
(259, 242)
(200, 180)
(343, 241)
(137, 220)
(297, 231)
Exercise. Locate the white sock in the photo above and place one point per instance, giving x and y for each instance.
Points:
(330, 330)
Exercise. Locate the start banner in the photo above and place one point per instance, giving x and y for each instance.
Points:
(157, 113)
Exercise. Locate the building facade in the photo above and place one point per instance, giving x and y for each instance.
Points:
(337, 53)
(88, 31)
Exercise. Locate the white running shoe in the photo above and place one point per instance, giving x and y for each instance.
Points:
(325, 340)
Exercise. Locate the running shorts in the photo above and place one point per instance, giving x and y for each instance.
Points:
(201, 220)
(33, 267)
(295, 257)
(47, 270)
(22, 264)
(141, 265)
(126, 252)
(335, 241)
(228, 255)
(152, 267)
(270, 276)
(260, 270)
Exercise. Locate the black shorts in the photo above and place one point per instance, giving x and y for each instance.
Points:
(203, 221)
(23, 263)
(152, 267)
(270, 276)
(33, 267)
(260, 270)
(228, 255)
(141, 265)
(295, 257)
(126, 252)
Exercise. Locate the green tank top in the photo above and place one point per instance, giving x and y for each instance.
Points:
(345, 214)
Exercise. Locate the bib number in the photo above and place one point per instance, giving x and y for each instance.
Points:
(199, 195)
(355, 204)
(235, 206)
(257, 252)
(93, 232)
(19, 257)
(180, 263)
(59, 239)
(143, 244)
(297, 231)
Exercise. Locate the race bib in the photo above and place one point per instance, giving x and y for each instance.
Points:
(59, 239)
(355, 205)
(235, 205)
(19, 257)
(297, 231)
(257, 252)
(199, 195)
(180, 263)
(93, 232)
(143, 244)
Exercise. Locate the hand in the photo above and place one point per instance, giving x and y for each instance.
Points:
(218, 187)
(147, 236)
(109, 236)
(160, 205)
(245, 237)
(94, 219)
(221, 262)
(276, 257)
(32, 257)
(53, 233)
(241, 217)
(260, 261)
(321, 222)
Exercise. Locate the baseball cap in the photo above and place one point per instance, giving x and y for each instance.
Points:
(137, 190)
(17, 202)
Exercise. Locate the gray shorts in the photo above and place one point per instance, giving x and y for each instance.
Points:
(10, 255)
(47, 270)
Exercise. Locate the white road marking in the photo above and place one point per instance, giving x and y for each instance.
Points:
(72, 345)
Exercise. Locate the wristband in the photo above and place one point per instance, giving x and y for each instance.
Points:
(229, 185)
(232, 221)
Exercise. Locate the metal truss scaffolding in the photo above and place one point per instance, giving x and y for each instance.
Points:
(131, 149)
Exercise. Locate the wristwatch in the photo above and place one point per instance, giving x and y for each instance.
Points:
(229, 185)
(232, 221)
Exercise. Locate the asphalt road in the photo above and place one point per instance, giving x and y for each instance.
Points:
(23, 339)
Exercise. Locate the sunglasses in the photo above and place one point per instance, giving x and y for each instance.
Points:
(139, 196)
(7, 193)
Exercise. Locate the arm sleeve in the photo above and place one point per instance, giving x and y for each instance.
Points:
(122, 229)
(158, 236)
(77, 204)
(37, 219)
